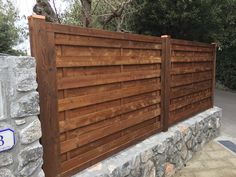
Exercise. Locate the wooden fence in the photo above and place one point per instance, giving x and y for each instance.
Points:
(102, 91)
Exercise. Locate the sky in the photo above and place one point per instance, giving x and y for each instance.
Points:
(25, 6)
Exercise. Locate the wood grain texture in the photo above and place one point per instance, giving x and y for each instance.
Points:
(214, 50)
(64, 61)
(192, 78)
(83, 81)
(166, 80)
(43, 50)
(109, 86)
(103, 91)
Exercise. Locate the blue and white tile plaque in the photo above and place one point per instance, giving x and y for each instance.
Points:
(7, 139)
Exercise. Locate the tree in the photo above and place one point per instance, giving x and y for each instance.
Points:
(87, 13)
(43, 7)
(199, 20)
(9, 33)
(185, 19)
(226, 57)
(105, 14)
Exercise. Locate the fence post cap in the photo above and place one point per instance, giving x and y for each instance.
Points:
(215, 44)
(165, 36)
(37, 16)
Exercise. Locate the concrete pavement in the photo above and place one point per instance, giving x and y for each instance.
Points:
(214, 160)
(227, 101)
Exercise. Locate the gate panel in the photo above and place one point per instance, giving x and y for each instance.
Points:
(108, 92)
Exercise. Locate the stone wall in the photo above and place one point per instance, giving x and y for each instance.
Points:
(162, 154)
(19, 109)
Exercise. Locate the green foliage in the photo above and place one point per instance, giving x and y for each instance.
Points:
(73, 16)
(226, 67)
(199, 20)
(100, 10)
(9, 33)
(226, 57)
(185, 19)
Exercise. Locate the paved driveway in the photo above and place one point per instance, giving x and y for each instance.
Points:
(212, 161)
(227, 101)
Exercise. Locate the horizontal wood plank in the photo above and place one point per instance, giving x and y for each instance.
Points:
(188, 89)
(182, 59)
(184, 101)
(107, 139)
(77, 40)
(83, 120)
(80, 101)
(178, 80)
(105, 61)
(80, 162)
(83, 81)
(175, 71)
(75, 30)
(190, 111)
(191, 48)
(100, 133)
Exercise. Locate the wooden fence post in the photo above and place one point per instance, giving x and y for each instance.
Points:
(42, 48)
(214, 50)
(165, 80)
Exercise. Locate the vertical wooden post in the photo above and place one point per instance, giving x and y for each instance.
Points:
(42, 48)
(214, 50)
(165, 80)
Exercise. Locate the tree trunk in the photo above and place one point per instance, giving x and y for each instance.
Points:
(118, 24)
(116, 13)
(43, 7)
(86, 9)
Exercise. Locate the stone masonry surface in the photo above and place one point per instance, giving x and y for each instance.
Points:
(19, 106)
(163, 154)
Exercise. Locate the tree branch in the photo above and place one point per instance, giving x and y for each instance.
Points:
(55, 9)
(86, 9)
(116, 12)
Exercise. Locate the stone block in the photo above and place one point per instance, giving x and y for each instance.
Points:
(149, 169)
(25, 62)
(4, 172)
(41, 174)
(20, 121)
(5, 159)
(30, 154)
(30, 168)
(27, 105)
(26, 80)
(146, 155)
(31, 133)
(169, 170)
(184, 152)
